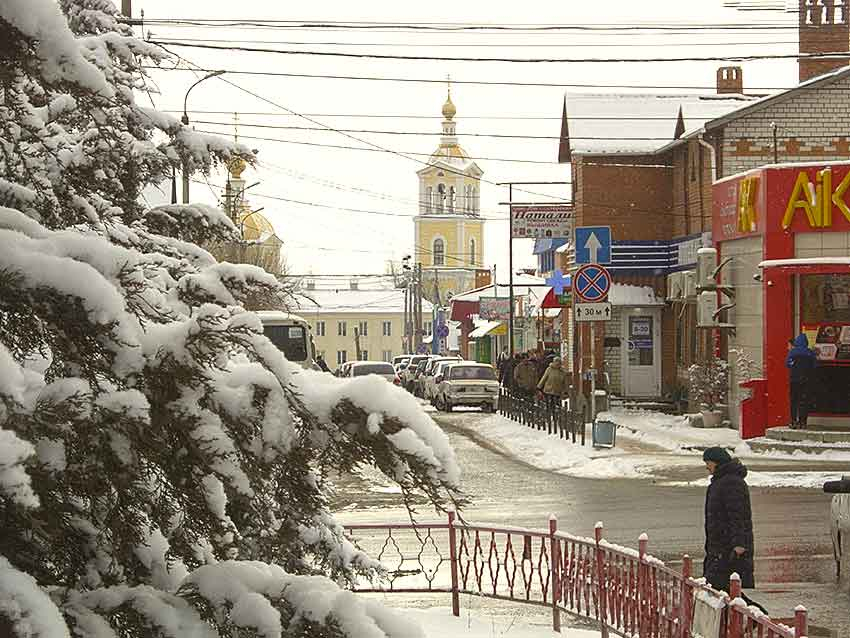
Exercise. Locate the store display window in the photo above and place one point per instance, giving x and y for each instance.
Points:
(825, 315)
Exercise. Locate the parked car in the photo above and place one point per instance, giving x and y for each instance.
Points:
(423, 378)
(467, 384)
(840, 525)
(409, 372)
(429, 389)
(342, 370)
(379, 368)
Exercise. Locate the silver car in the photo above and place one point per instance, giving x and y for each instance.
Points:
(468, 384)
(840, 526)
(379, 368)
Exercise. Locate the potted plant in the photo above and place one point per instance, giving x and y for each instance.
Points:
(708, 385)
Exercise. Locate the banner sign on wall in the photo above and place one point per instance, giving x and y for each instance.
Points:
(542, 221)
(495, 308)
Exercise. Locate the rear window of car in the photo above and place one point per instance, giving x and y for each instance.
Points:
(473, 373)
(372, 368)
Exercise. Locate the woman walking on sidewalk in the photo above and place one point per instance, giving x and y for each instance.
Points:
(554, 384)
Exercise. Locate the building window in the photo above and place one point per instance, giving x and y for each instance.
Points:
(441, 197)
(341, 357)
(387, 328)
(320, 328)
(363, 327)
(341, 329)
(472, 252)
(452, 199)
(439, 253)
(387, 356)
(427, 328)
(364, 355)
(429, 199)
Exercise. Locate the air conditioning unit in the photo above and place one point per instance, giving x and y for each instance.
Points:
(689, 284)
(707, 309)
(675, 286)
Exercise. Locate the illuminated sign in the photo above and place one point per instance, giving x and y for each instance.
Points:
(816, 200)
(747, 193)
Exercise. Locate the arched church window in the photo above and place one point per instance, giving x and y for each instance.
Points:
(474, 200)
(441, 197)
(452, 199)
(472, 252)
(439, 252)
(429, 199)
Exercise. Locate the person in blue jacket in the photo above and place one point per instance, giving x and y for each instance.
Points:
(801, 362)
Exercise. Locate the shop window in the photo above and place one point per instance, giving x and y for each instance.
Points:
(825, 314)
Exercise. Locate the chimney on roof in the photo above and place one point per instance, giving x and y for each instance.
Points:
(352, 284)
(730, 79)
(824, 28)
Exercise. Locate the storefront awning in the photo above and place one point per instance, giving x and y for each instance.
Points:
(487, 328)
(805, 263)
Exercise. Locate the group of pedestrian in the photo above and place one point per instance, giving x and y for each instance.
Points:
(535, 374)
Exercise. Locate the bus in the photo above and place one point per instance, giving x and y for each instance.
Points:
(291, 335)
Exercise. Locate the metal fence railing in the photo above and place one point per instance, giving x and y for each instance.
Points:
(555, 419)
(627, 591)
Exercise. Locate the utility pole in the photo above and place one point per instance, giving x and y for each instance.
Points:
(417, 318)
(406, 339)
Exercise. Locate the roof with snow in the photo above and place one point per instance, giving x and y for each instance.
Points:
(361, 301)
(523, 285)
(636, 123)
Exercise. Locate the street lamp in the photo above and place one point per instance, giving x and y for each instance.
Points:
(185, 120)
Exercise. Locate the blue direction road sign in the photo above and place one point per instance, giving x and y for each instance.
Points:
(592, 282)
(593, 245)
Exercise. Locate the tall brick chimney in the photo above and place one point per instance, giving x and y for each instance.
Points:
(730, 79)
(824, 28)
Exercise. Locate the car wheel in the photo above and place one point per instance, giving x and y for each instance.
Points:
(447, 405)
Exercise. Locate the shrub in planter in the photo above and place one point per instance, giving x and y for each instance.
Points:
(708, 385)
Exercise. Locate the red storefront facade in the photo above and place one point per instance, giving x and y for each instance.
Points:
(787, 231)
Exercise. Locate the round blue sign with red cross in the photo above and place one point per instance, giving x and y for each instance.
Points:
(592, 283)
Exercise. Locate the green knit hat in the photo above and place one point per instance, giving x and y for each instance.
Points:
(717, 454)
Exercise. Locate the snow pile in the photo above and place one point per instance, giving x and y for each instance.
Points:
(150, 434)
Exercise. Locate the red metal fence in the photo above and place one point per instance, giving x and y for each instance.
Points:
(628, 592)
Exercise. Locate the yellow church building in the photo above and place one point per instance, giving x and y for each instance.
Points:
(449, 230)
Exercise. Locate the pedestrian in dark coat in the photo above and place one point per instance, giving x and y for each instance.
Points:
(506, 374)
(729, 544)
(801, 362)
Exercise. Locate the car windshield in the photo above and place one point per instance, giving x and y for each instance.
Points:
(473, 372)
(291, 340)
(372, 368)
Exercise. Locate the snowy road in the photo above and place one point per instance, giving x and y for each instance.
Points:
(794, 562)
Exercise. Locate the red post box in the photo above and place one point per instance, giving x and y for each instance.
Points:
(753, 421)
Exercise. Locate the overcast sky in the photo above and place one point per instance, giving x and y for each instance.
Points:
(325, 240)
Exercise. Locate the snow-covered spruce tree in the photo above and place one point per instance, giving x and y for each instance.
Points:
(162, 466)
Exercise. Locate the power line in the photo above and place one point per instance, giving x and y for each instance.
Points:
(564, 85)
(832, 55)
(570, 45)
(354, 25)
(402, 153)
(350, 136)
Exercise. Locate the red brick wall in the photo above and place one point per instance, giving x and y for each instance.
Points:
(632, 194)
(691, 186)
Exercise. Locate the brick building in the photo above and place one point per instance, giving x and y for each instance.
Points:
(644, 165)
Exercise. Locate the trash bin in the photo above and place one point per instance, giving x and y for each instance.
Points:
(604, 433)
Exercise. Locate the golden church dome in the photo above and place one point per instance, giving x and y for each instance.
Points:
(236, 166)
(255, 227)
(449, 109)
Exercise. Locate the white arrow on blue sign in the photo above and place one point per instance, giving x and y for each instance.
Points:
(593, 245)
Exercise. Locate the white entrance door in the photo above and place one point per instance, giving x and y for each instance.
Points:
(641, 352)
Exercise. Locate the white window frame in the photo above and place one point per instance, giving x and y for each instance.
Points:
(341, 329)
(320, 328)
(441, 252)
(363, 326)
(387, 328)
(341, 357)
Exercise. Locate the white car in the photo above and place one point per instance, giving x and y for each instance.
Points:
(429, 383)
(408, 375)
(379, 368)
(426, 377)
(839, 519)
(468, 384)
